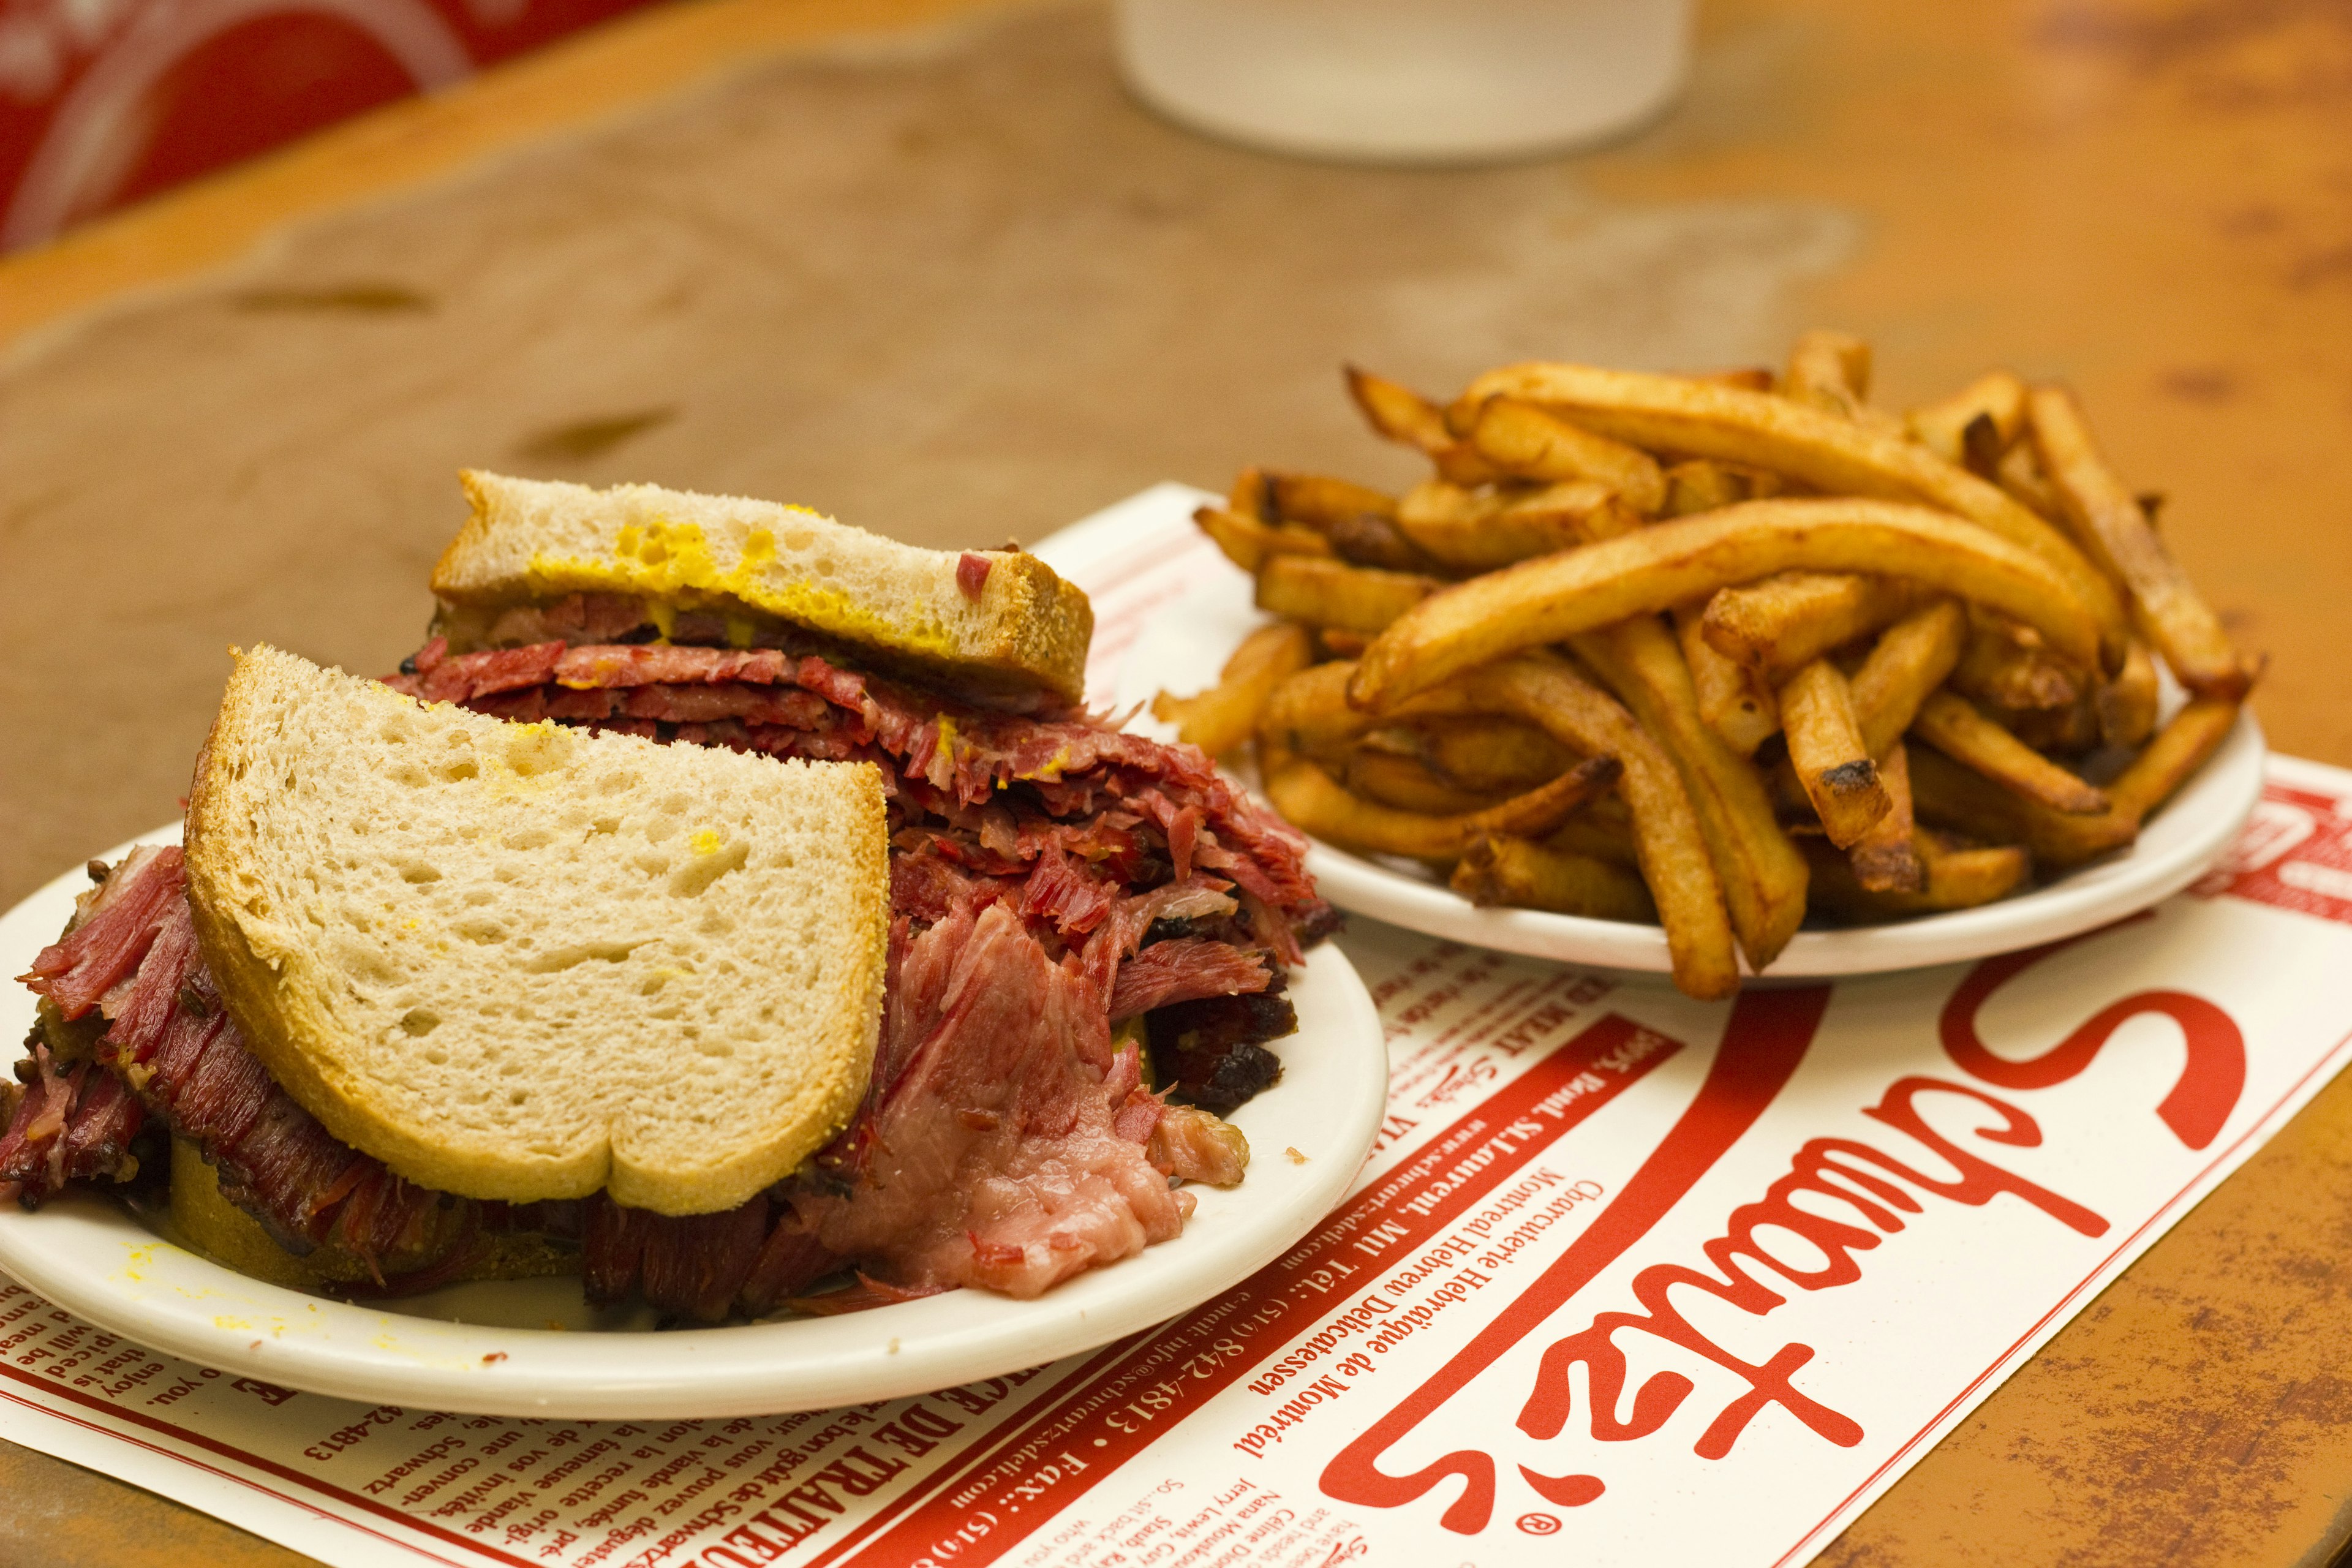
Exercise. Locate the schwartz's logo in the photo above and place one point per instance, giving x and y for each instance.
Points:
(1872, 1187)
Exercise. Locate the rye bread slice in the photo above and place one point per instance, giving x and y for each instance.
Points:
(1004, 624)
(526, 962)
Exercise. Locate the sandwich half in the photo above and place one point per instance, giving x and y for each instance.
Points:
(1084, 937)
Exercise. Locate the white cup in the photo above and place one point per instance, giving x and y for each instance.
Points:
(1406, 82)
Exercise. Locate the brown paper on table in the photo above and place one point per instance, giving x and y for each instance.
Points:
(1628, 1274)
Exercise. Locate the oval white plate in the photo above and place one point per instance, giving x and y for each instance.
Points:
(493, 1349)
(1185, 646)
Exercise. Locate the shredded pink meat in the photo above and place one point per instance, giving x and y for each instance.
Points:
(1183, 970)
(997, 1156)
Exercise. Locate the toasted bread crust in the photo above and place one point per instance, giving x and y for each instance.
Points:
(529, 542)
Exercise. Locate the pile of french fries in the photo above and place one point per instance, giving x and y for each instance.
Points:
(1715, 650)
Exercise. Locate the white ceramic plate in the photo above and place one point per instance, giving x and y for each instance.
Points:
(1185, 646)
(493, 1349)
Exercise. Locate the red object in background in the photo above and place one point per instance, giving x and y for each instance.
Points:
(104, 101)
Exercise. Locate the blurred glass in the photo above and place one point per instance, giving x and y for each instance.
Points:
(1437, 81)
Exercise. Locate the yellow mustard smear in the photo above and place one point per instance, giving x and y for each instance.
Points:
(1050, 769)
(705, 841)
(673, 564)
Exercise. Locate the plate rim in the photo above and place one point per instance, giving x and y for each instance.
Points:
(175, 1300)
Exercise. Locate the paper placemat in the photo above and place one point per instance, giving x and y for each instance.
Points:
(1629, 1274)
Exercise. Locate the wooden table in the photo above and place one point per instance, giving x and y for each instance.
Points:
(939, 278)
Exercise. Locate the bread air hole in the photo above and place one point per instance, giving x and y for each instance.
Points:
(485, 931)
(529, 838)
(459, 772)
(564, 958)
(416, 873)
(694, 879)
(416, 1023)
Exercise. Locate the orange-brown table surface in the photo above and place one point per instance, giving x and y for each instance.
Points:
(922, 264)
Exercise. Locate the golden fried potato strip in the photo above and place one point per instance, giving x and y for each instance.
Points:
(2107, 521)
(1761, 873)
(1735, 703)
(2005, 666)
(1523, 874)
(1478, 529)
(1403, 415)
(2127, 705)
(1953, 726)
(1225, 715)
(1311, 798)
(1405, 781)
(1835, 456)
(1791, 618)
(1957, 878)
(1326, 593)
(1533, 443)
(1829, 370)
(1912, 658)
(1885, 860)
(1250, 544)
(1320, 501)
(1950, 796)
(1671, 846)
(1553, 598)
(1826, 748)
(1998, 398)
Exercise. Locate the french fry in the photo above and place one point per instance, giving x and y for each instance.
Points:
(1407, 783)
(1310, 713)
(1532, 442)
(1318, 501)
(2020, 474)
(1761, 874)
(2179, 750)
(1668, 843)
(1791, 618)
(1368, 540)
(1603, 830)
(2107, 521)
(2005, 666)
(1702, 484)
(1250, 544)
(1252, 497)
(1826, 748)
(1310, 797)
(1403, 415)
(1998, 398)
(1952, 725)
(1735, 703)
(1341, 643)
(1835, 456)
(1219, 719)
(1885, 858)
(1977, 548)
(1491, 753)
(1951, 795)
(1957, 878)
(1326, 592)
(1829, 370)
(2068, 731)
(1522, 874)
(1912, 658)
(1476, 530)
(2127, 705)
(1747, 377)
(1554, 598)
